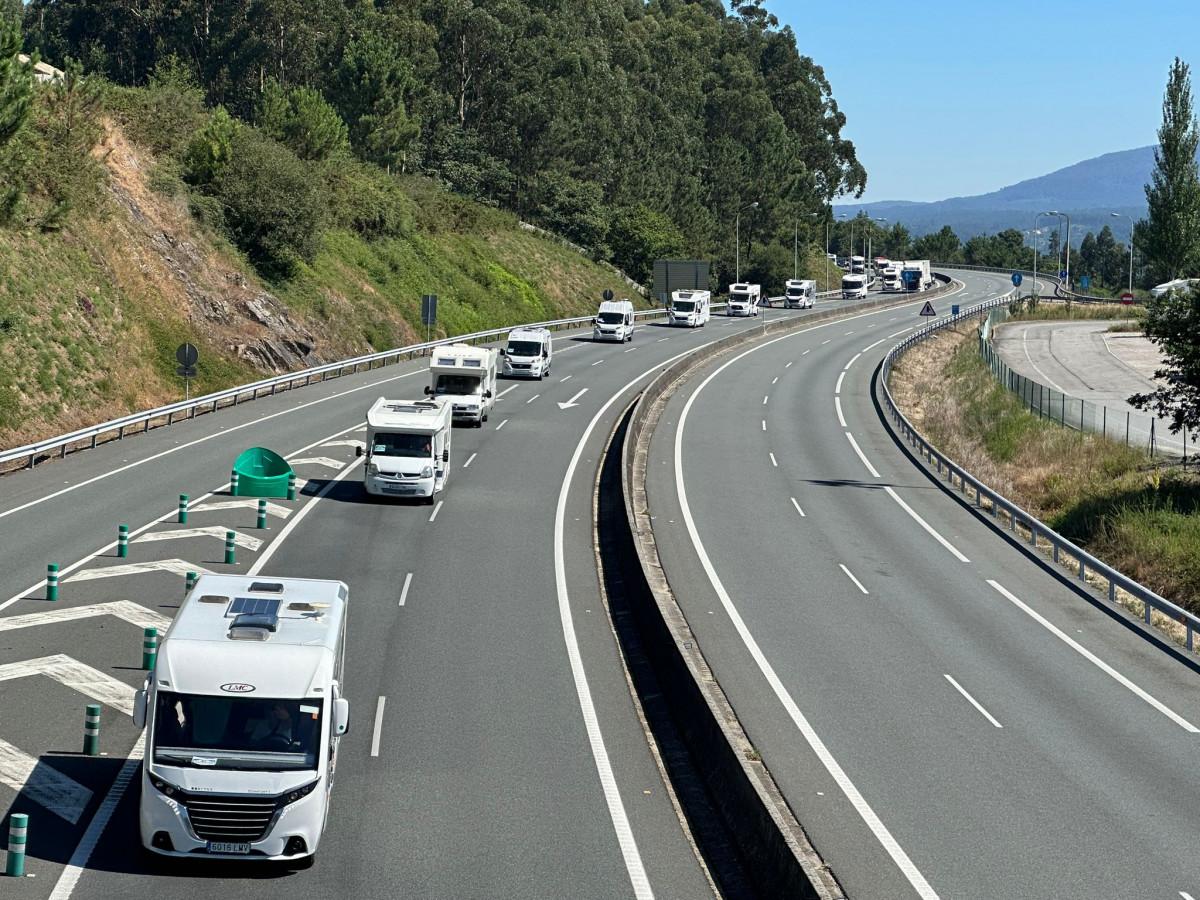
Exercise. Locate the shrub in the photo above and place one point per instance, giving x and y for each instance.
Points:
(367, 200)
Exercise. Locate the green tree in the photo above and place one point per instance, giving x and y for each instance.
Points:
(1088, 255)
(68, 126)
(941, 246)
(301, 119)
(16, 93)
(1173, 324)
(638, 236)
(368, 89)
(1170, 237)
(210, 150)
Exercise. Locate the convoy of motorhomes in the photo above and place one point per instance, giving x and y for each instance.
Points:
(916, 275)
(244, 711)
(743, 300)
(614, 321)
(465, 376)
(854, 287)
(858, 265)
(528, 353)
(799, 293)
(407, 448)
(689, 308)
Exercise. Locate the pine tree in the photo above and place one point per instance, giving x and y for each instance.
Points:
(16, 92)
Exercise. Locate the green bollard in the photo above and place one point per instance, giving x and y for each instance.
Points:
(291, 485)
(122, 541)
(149, 648)
(229, 548)
(233, 484)
(52, 582)
(262, 513)
(18, 826)
(189, 582)
(91, 731)
(183, 505)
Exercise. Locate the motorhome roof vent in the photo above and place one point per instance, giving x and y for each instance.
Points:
(266, 587)
(213, 598)
(253, 627)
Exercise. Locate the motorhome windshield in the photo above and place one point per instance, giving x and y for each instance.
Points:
(457, 384)
(684, 306)
(611, 318)
(794, 292)
(852, 281)
(524, 348)
(739, 297)
(237, 732)
(385, 444)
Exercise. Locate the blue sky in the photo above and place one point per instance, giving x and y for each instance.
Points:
(948, 99)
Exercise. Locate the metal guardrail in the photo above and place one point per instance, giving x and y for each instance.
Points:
(1038, 531)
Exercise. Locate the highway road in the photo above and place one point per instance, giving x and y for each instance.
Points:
(495, 749)
(946, 715)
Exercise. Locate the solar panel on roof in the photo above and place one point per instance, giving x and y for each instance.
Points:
(254, 606)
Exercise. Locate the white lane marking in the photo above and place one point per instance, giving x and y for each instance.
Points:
(849, 364)
(900, 332)
(568, 378)
(512, 388)
(224, 432)
(838, 387)
(850, 575)
(404, 590)
(531, 399)
(570, 403)
(63, 796)
(805, 353)
(1025, 348)
(612, 795)
(789, 365)
(1093, 658)
(876, 344)
(437, 509)
(660, 340)
(273, 509)
(127, 610)
(772, 455)
(764, 421)
(597, 362)
(1186, 896)
(178, 566)
(765, 400)
(375, 733)
(987, 715)
(837, 402)
(348, 443)
(77, 676)
(866, 462)
(215, 531)
(775, 379)
(885, 838)
(319, 461)
(929, 528)
(630, 350)
(823, 343)
(848, 333)
(798, 509)
(469, 459)
(502, 424)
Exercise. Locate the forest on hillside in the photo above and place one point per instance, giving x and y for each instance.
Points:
(636, 129)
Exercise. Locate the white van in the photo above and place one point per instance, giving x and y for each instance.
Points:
(854, 287)
(689, 308)
(614, 321)
(243, 714)
(408, 448)
(743, 300)
(528, 353)
(466, 376)
(799, 293)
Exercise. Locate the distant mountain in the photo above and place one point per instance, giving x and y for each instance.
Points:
(1088, 191)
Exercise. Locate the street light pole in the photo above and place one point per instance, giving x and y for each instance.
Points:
(1131, 227)
(1034, 290)
(1068, 266)
(737, 239)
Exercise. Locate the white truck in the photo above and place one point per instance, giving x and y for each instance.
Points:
(891, 277)
(614, 321)
(799, 293)
(915, 275)
(466, 376)
(854, 287)
(528, 353)
(743, 300)
(243, 712)
(407, 448)
(689, 308)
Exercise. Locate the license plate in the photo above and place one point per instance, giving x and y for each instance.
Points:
(224, 847)
(400, 490)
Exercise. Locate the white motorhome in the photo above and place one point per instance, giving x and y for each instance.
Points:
(614, 321)
(528, 353)
(743, 300)
(916, 275)
(1181, 285)
(466, 376)
(243, 712)
(891, 277)
(858, 265)
(854, 287)
(799, 293)
(689, 308)
(408, 448)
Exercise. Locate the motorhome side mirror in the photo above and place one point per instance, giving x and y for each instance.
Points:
(341, 717)
(139, 709)
(488, 394)
(545, 354)
(358, 451)
(595, 320)
(428, 389)
(503, 352)
(445, 456)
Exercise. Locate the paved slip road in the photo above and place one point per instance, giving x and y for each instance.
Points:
(946, 716)
(487, 782)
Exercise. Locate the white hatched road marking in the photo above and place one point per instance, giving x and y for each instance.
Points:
(987, 715)
(273, 509)
(319, 461)
(42, 784)
(77, 676)
(345, 443)
(122, 609)
(469, 459)
(216, 531)
(178, 566)
(798, 509)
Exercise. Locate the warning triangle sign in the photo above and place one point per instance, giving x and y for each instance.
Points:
(927, 309)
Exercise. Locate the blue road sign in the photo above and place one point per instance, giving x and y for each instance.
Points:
(1085, 281)
(1016, 279)
(1063, 274)
(954, 310)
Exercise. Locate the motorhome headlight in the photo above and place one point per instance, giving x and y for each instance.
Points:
(473, 407)
(372, 469)
(287, 799)
(427, 472)
(165, 787)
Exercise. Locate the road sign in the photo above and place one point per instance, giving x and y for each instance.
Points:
(954, 310)
(1085, 281)
(607, 295)
(927, 309)
(186, 371)
(428, 309)
(1127, 298)
(1016, 279)
(187, 355)
(1063, 274)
